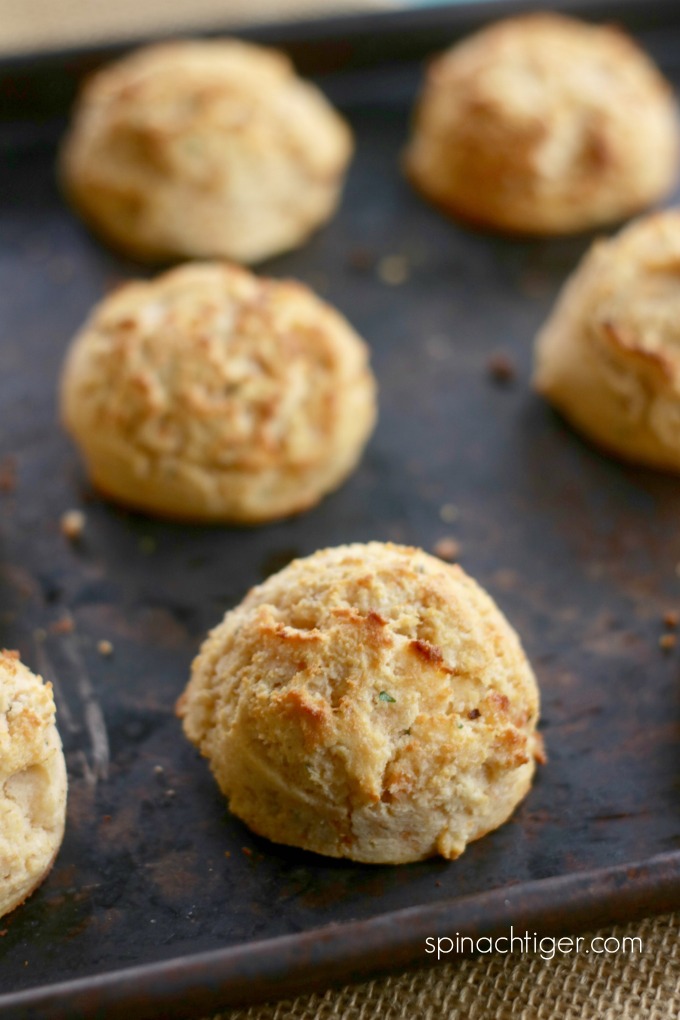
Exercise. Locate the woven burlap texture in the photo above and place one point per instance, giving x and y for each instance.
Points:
(619, 986)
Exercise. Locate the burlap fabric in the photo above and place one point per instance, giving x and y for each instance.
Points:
(642, 986)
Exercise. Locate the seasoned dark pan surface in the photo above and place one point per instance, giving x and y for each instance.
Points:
(580, 552)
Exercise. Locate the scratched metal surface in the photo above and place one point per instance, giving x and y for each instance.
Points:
(579, 551)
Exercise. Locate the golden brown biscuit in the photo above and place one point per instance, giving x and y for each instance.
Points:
(32, 782)
(609, 355)
(205, 150)
(369, 701)
(211, 394)
(543, 124)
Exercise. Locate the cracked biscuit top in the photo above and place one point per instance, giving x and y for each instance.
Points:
(544, 124)
(369, 702)
(210, 393)
(609, 355)
(204, 149)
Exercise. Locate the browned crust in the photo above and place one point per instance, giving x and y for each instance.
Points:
(477, 221)
(374, 747)
(656, 463)
(483, 145)
(642, 360)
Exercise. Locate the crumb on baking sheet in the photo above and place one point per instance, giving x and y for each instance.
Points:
(501, 368)
(671, 619)
(65, 625)
(447, 548)
(448, 513)
(393, 270)
(105, 647)
(8, 473)
(667, 642)
(361, 260)
(540, 753)
(72, 524)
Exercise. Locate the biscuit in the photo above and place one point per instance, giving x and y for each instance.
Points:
(609, 355)
(32, 782)
(370, 702)
(204, 150)
(543, 124)
(210, 394)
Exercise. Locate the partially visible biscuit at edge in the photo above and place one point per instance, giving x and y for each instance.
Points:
(211, 394)
(608, 356)
(33, 782)
(204, 149)
(543, 124)
(368, 702)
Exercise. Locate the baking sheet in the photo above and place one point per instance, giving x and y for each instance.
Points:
(579, 551)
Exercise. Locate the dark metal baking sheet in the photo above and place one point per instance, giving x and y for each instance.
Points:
(579, 551)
